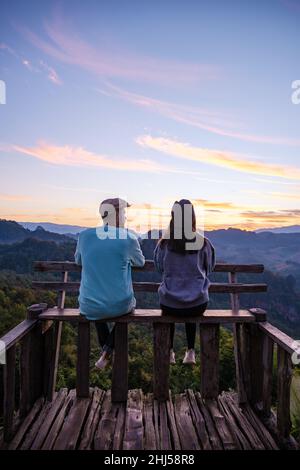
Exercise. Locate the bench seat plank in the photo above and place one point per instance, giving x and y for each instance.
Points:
(153, 315)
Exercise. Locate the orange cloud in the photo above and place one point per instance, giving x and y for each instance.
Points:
(14, 197)
(78, 156)
(218, 158)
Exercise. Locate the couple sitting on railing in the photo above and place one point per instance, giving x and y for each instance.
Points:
(183, 257)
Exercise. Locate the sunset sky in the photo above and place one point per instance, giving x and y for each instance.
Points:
(151, 101)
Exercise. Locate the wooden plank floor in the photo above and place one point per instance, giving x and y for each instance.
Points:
(184, 422)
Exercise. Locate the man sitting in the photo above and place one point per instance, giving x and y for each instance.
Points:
(106, 254)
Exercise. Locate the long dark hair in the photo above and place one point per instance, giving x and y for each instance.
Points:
(183, 219)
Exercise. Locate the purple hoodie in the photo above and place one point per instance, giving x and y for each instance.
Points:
(184, 275)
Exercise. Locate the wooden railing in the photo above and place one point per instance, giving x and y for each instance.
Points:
(254, 339)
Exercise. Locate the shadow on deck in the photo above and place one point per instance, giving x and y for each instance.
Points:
(185, 422)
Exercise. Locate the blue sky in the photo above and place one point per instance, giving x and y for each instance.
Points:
(151, 101)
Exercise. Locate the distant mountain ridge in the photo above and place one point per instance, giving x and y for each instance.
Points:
(52, 227)
(65, 229)
(12, 232)
(289, 229)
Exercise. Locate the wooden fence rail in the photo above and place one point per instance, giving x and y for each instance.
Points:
(254, 338)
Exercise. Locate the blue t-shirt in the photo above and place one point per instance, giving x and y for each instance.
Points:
(106, 254)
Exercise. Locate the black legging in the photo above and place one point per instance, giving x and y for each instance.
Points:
(190, 328)
(106, 338)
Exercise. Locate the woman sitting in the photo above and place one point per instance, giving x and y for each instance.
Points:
(185, 258)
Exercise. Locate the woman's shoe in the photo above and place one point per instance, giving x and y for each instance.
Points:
(189, 357)
(103, 361)
(172, 357)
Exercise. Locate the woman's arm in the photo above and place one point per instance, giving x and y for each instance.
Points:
(158, 257)
(210, 256)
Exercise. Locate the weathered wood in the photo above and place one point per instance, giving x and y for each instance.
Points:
(52, 414)
(52, 346)
(198, 421)
(36, 425)
(155, 315)
(68, 423)
(69, 434)
(26, 398)
(57, 266)
(104, 435)
(17, 333)
(215, 287)
(247, 436)
(240, 362)
(83, 359)
(164, 433)
(161, 360)
(256, 367)
(134, 430)
(233, 424)
(209, 360)
(172, 424)
(120, 427)
(284, 377)
(262, 432)
(156, 422)
(92, 421)
(30, 418)
(149, 430)
(9, 393)
(186, 431)
(214, 437)
(119, 387)
(238, 348)
(284, 341)
(229, 440)
(259, 313)
(268, 348)
(58, 421)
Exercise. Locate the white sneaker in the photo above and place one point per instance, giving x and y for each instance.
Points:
(103, 361)
(189, 357)
(172, 357)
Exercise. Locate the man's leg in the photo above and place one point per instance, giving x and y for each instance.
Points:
(102, 332)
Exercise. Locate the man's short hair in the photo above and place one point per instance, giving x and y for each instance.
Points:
(111, 205)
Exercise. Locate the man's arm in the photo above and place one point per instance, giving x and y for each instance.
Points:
(136, 255)
(77, 254)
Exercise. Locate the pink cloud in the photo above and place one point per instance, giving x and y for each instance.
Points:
(194, 116)
(115, 61)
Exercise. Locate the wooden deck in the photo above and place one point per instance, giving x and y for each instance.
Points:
(184, 422)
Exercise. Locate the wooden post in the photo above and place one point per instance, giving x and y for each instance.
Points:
(83, 358)
(268, 348)
(240, 361)
(283, 392)
(9, 393)
(32, 362)
(209, 353)
(161, 345)
(256, 367)
(119, 388)
(52, 347)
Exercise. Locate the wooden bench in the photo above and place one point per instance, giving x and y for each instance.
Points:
(209, 328)
(254, 339)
